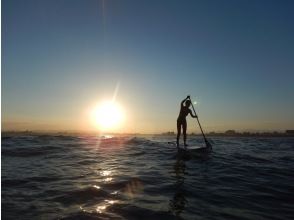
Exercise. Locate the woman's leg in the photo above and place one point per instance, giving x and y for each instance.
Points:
(184, 131)
(179, 131)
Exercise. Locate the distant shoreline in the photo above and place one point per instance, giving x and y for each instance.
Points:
(233, 133)
(229, 133)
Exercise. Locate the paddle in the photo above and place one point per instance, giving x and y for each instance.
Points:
(208, 145)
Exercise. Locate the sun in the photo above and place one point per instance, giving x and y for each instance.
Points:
(108, 116)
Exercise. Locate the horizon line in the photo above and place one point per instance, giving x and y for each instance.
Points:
(229, 131)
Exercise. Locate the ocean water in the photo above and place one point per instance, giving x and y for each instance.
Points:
(89, 177)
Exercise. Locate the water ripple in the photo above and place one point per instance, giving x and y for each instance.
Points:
(90, 177)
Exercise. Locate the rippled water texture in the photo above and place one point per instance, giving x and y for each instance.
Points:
(79, 177)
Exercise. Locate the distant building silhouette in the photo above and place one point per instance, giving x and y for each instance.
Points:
(289, 132)
(230, 132)
(168, 133)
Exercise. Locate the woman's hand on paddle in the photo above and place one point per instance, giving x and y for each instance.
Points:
(182, 103)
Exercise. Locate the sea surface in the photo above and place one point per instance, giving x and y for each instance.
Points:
(143, 177)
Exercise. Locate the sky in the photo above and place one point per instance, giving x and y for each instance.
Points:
(62, 57)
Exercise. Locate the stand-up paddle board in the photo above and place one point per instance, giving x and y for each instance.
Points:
(194, 148)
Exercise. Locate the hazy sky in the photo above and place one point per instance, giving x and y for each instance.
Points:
(235, 58)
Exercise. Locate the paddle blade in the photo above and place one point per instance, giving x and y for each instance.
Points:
(208, 145)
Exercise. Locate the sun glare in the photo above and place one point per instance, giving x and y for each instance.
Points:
(108, 116)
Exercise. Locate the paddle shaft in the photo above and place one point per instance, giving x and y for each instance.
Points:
(198, 121)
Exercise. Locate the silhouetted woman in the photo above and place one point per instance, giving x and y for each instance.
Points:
(181, 122)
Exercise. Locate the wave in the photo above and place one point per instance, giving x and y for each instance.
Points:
(21, 182)
(30, 151)
(123, 211)
(84, 215)
(82, 196)
(13, 182)
(138, 140)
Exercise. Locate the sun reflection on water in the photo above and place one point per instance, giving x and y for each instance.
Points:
(114, 193)
(103, 206)
(81, 208)
(110, 201)
(105, 173)
(108, 179)
(97, 187)
(100, 208)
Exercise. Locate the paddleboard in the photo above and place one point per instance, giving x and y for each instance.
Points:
(194, 148)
